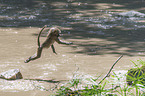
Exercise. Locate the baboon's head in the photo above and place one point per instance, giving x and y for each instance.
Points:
(55, 31)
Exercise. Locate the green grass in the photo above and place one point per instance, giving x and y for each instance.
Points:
(76, 87)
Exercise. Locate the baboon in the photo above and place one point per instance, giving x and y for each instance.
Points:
(52, 37)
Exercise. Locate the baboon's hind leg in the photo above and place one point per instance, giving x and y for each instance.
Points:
(53, 49)
(35, 56)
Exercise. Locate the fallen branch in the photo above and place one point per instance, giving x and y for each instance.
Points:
(111, 69)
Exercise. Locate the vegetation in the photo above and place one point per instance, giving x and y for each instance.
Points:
(107, 87)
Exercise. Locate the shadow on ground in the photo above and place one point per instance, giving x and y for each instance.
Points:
(48, 81)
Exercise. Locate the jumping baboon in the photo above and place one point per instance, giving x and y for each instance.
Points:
(52, 36)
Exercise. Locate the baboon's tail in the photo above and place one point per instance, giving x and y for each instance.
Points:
(39, 35)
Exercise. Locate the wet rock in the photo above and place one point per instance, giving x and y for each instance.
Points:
(131, 14)
(12, 74)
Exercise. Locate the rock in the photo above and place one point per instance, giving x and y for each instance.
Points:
(12, 74)
(131, 14)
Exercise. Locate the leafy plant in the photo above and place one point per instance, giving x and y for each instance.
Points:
(136, 76)
(72, 88)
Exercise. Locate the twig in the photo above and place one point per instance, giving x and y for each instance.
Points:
(75, 71)
(111, 69)
(55, 86)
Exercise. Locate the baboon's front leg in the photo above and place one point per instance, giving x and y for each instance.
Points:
(62, 42)
(35, 56)
(53, 49)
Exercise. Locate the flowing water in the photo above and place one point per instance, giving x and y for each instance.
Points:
(99, 33)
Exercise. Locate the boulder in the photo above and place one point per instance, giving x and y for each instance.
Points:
(131, 14)
(12, 74)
